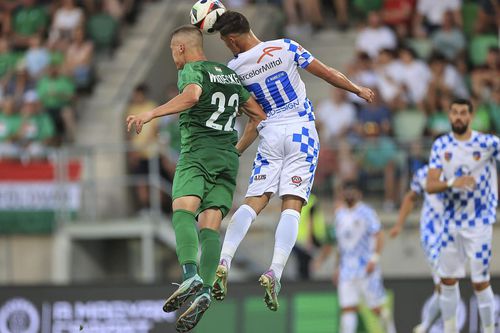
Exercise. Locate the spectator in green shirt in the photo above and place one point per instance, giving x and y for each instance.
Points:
(9, 126)
(378, 156)
(437, 122)
(28, 20)
(36, 130)
(494, 106)
(57, 93)
(7, 58)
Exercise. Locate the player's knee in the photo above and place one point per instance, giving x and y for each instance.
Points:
(210, 219)
(349, 309)
(190, 203)
(292, 202)
(377, 310)
(448, 281)
(258, 203)
(479, 286)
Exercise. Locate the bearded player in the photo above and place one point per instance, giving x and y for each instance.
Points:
(288, 150)
(462, 166)
(205, 176)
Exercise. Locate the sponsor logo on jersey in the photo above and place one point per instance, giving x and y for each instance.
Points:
(263, 69)
(288, 106)
(259, 177)
(476, 155)
(224, 78)
(268, 52)
(447, 156)
(296, 180)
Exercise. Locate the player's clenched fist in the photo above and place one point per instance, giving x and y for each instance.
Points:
(366, 93)
(465, 182)
(139, 121)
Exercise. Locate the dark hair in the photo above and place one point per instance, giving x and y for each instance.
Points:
(142, 88)
(409, 50)
(463, 101)
(188, 28)
(350, 185)
(437, 57)
(232, 23)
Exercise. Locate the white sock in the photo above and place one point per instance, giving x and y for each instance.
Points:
(387, 322)
(236, 231)
(433, 312)
(486, 304)
(348, 322)
(448, 302)
(285, 237)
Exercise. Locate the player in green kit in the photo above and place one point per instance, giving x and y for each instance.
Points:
(205, 178)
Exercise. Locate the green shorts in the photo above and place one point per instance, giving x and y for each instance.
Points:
(209, 174)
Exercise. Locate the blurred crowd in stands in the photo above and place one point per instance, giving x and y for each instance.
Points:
(48, 50)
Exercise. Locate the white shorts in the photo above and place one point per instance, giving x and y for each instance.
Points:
(370, 289)
(460, 244)
(286, 160)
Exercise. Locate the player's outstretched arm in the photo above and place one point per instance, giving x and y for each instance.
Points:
(339, 80)
(404, 211)
(184, 101)
(255, 115)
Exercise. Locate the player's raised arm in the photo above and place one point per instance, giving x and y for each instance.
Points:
(405, 210)
(339, 80)
(184, 101)
(255, 115)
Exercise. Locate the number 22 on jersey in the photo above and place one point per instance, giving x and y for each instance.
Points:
(219, 99)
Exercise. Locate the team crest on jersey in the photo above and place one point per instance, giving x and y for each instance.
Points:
(447, 156)
(218, 69)
(476, 155)
(296, 180)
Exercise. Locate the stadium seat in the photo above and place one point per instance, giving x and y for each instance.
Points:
(103, 30)
(367, 6)
(423, 47)
(479, 46)
(469, 14)
(409, 125)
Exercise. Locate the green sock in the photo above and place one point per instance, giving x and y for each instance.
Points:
(188, 271)
(210, 255)
(186, 237)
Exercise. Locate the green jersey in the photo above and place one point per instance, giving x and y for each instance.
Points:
(210, 123)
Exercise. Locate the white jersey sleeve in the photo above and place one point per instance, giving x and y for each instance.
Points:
(270, 71)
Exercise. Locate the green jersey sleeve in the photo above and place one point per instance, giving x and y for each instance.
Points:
(244, 95)
(189, 75)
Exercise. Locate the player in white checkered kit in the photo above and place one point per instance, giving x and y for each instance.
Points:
(288, 151)
(466, 161)
(359, 237)
(430, 236)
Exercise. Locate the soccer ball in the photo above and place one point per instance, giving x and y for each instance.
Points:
(205, 13)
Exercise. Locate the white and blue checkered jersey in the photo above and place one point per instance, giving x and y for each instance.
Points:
(432, 209)
(430, 217)
(270, 71)
(477, 158)
(355, 229)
